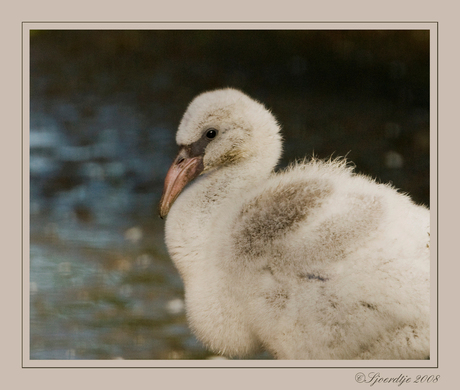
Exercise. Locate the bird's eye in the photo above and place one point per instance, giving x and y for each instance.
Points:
(211, 133)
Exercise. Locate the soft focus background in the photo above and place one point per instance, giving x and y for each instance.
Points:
(104, 108)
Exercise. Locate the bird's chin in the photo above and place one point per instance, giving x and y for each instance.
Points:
(182, 171)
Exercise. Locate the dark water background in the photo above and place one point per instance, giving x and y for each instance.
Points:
(104, 108)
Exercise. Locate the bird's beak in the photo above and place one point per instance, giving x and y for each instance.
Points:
(183, 170)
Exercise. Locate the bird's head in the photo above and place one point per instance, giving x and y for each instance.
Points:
(220, 128)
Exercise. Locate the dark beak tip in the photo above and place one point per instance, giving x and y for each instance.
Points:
(161, 213)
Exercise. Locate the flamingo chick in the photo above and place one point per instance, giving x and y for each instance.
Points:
(313, 262)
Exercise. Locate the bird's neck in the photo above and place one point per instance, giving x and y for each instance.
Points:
(189, 225)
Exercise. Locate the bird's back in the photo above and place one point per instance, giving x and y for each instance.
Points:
(333, 261)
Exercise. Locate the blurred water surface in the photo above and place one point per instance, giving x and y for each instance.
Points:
(104, 107)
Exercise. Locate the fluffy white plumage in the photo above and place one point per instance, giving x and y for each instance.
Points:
(314, 262)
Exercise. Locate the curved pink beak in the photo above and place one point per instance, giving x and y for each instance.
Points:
(182, 171)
